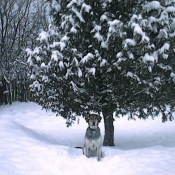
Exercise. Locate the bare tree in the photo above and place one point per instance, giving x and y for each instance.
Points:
(20, 23)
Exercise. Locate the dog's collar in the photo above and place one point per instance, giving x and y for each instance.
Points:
(93, 131)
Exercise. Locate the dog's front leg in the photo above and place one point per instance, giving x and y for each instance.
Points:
(99, 153)
(87, 152)
(84, 152)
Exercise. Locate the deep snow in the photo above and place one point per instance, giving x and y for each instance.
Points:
(33, 141)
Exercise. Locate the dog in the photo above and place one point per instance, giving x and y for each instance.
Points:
(93, 139)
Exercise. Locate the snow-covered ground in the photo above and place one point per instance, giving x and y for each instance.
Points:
(35, 142)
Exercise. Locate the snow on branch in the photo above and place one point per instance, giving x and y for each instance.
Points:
(170, 9)
(36, 85)
(74, 86)
(169, 2)
(85, 8)
(78, 2)
(43, 36)
(162, 34)
(73, 30)
(80, 74)
(153, 5)
(78, 14)
(86, 58)
(115, 26)
(148, 58)
(132, 75)
(103, 63)
(55, 5)
(63, 41)
(56, 55)
(172, 75)
(138, 30)
(36, 51)
(162, 51)
(91, 70)
(104, 17)
(97, 35)
(128, 42)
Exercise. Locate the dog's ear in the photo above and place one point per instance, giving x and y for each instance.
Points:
(99, 118)
(87, 118)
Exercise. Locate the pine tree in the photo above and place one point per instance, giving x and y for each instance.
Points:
(106, 56)
(148, 52)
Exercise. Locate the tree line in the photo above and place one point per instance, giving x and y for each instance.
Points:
(20, 23)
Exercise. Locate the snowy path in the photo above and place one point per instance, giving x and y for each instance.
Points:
(33, 141)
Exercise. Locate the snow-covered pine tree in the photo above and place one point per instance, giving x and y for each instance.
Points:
(148, 54)
(103, 56)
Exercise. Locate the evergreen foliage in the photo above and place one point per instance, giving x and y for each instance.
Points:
(106, 54)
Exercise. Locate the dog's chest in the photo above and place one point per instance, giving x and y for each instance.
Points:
(93, 134)
(93, 145)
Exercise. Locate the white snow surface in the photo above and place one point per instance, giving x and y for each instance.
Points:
(33, 141)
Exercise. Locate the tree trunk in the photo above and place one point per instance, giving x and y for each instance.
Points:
(1, 95)
(109, 127)
(10, 93)
(5, 97)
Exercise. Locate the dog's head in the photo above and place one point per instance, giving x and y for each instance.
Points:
(93, 120)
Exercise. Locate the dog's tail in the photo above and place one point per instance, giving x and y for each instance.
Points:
(78, 147)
